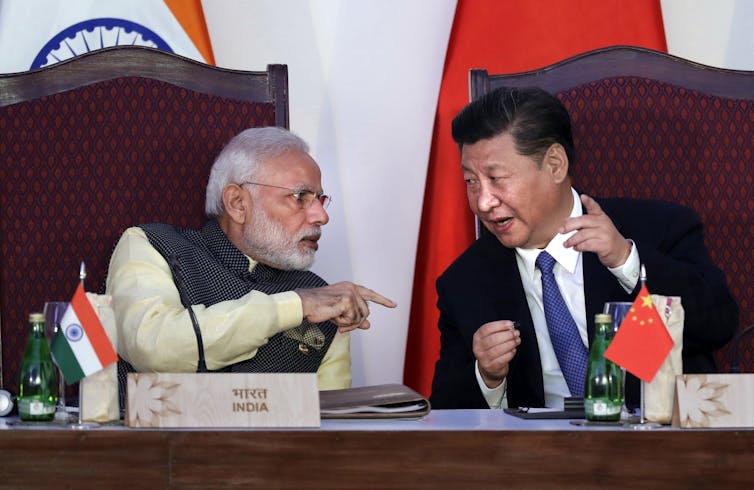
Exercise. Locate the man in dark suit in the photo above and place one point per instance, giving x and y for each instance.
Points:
(496, 345)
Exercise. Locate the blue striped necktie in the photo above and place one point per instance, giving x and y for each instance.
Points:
(570, 350)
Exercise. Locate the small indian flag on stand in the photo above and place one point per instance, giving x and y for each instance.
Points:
(81, 346)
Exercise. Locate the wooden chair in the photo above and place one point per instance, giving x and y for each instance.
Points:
(651, 125)
(101, 142)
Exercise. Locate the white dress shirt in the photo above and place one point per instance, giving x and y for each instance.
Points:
(569, 276)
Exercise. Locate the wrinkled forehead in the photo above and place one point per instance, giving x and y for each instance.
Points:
(292, 167)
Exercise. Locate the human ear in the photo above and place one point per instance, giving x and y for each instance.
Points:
(556, 162)
(236, 203)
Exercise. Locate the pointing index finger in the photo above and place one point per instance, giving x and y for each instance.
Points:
(375, 297)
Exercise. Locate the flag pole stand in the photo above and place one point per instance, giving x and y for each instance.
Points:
(643, 424)
(80, 424)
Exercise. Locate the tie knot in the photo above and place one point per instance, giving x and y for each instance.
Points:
(545, 262)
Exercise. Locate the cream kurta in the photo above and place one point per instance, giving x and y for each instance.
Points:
(155, 331)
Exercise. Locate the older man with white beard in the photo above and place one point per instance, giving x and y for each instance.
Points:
(237, 295)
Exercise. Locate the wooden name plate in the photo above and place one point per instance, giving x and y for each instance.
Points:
(714, 400)
(222, 400)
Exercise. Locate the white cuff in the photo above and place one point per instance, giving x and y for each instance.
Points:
(495, 396)
(628, 273)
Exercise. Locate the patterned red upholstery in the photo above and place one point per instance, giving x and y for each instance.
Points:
(644, 138)
(78, 167)
(640, 136)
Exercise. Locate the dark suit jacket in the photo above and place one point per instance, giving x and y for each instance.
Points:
(483, 285)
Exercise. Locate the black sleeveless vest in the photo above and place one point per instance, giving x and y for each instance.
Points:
(207, 269)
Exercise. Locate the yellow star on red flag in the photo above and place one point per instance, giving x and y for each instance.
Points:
(642, 342)
(646, 300)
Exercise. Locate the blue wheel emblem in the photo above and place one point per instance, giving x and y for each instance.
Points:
(74, 332)
(94, 34)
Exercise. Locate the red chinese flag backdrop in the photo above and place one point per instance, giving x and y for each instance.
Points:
(503, 37)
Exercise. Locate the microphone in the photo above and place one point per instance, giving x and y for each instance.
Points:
(175, 266)
(734, 366)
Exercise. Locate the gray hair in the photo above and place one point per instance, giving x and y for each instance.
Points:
(241, 158)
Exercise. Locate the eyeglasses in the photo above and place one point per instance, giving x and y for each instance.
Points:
(303, 197)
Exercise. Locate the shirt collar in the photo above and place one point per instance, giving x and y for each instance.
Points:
(252, 263)
(567, 257)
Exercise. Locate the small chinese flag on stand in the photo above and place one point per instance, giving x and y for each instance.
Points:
(642, 342)
(81, 346)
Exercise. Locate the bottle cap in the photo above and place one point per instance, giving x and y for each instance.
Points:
(603, 318)
(36, 317)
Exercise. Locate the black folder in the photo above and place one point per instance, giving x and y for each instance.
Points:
(573, 409)
(386, 401)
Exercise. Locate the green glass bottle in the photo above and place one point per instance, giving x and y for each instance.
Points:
(38, 387)
(603, 392)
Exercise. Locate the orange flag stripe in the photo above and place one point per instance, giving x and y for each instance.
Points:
(190, 15)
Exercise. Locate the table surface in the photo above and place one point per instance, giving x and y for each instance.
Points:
(445, 449)
(436, 420)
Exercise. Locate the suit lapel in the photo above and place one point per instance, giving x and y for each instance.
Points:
(526, 368)
(600, 285)
(599, 282)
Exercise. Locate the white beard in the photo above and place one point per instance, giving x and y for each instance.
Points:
(266, 241)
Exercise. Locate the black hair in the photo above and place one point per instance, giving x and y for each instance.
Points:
(535, 119)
